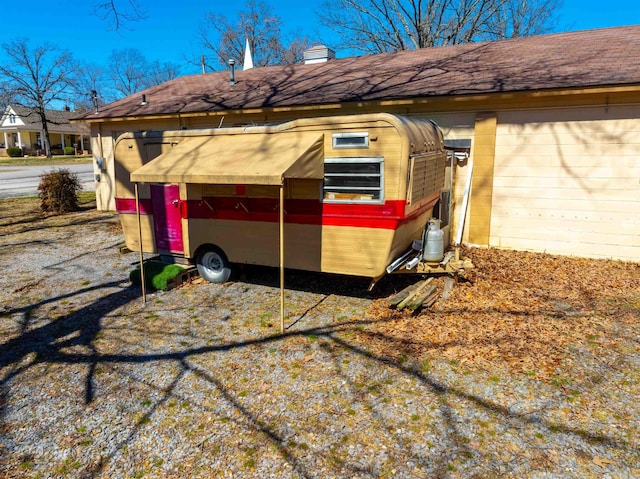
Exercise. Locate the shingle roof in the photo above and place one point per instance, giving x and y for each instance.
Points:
(57, 120)
(602, 57)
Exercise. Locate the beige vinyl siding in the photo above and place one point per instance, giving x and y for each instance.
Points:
(568, 182)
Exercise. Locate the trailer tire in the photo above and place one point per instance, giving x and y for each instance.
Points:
(213, 264)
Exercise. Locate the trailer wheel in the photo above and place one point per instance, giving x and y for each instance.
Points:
(213, 264)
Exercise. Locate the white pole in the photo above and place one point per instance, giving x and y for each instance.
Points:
(465, 202)
(282, 258)
(144, 290)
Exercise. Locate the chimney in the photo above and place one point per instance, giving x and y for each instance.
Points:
(318, 54)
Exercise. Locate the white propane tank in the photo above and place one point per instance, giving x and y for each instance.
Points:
(433, 242)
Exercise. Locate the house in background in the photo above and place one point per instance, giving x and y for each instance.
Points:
(21, 127)
(553, 124)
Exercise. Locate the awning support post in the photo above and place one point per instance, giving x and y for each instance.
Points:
(142, 282)
(282, 258)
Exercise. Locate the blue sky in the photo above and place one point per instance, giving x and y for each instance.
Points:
(170, 30)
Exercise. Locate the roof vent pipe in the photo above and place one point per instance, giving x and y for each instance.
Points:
(94, 99)
(232, 71)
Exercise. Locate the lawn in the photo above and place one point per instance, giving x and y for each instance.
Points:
(43, 160)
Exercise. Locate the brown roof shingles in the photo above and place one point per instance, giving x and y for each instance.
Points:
(566, 60)
(57, 120)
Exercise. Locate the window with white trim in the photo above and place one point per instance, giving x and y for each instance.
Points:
(354, 180)
(351, 140)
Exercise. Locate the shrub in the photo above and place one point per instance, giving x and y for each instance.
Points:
(69, 150)
(14, 151)
(56, 151)
(58, 191)
(156, 274)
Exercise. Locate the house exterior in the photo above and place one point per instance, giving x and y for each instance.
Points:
(553, 122)
(22, 127)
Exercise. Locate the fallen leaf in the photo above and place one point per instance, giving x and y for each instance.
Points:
(602, 461)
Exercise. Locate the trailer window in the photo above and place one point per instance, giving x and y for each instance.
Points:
(353, 179)
(351, 140)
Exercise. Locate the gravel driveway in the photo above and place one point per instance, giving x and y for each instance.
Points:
(197, 382)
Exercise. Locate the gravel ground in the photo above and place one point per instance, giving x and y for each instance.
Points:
(197, 382)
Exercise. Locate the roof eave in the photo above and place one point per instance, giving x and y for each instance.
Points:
(453, 100)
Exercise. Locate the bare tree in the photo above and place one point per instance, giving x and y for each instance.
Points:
(158, 73)
(376, 26)
(6, 95)
(35, 78)
(119, 13)
(92, 88)
(257, 24)
(523, 18)
(127, 70)
(130, 72)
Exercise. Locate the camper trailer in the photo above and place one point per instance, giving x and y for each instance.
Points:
(347, 195)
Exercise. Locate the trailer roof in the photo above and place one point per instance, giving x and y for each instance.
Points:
(267, 159)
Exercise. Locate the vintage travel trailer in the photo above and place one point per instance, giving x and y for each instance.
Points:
(346, 195)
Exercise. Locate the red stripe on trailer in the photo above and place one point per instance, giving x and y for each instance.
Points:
(128, 205)
(389, 215)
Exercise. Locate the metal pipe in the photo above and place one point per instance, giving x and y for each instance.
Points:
(232, 71)
(144, 290)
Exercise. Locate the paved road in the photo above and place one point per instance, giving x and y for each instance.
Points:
(24, 180)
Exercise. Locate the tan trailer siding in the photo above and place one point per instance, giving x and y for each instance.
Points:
(296, 188)
(254, 242)
(131, 155)
(568, 182)
(330, 249)
(103, 138)
(384, 141)
(130, 227)
(355, 250)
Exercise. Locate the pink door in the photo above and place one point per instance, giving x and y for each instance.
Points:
(167, 220)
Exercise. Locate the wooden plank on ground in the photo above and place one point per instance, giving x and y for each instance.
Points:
(417, 301)
(398, 297)
(417, 291)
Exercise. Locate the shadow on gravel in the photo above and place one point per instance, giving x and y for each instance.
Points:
(46, 344)
(78, 328)
(325, 283)
(39, 223)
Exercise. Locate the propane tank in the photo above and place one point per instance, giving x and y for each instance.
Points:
(433, 241)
